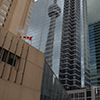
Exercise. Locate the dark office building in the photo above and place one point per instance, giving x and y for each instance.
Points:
(94, 41)
(74, 60)
(70, 62)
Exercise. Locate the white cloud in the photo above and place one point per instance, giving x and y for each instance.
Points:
(35, 0)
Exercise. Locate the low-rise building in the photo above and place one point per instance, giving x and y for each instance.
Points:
(85, 94)
(23, 73)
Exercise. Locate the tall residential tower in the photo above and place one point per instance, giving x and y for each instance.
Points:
(74, 60)
(15, 15)
(70, 59)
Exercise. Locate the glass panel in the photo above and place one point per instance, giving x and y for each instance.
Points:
(5, 6)
(12, 59)
(30, 13)
(28, 21)
(7, 1)
(29, 17)
(31, 9)
(1, 23)
(31, 4)
(3, 11)
(51, 88)
(2, 17)
(5, 56)
(26, 26)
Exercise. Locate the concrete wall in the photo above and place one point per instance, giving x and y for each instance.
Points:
(22, 81)
(11, 91)
(16, 15)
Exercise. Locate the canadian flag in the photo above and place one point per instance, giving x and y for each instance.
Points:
(27, 37)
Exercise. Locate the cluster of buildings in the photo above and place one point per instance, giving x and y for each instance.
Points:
(62, 60)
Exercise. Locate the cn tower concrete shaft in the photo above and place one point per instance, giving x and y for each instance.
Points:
(53, 12)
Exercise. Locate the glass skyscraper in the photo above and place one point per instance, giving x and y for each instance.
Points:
(40, 27)
(70, 60)
(74, 61)
(94, 41)
(59, 29)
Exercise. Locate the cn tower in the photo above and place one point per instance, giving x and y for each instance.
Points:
(53, 12)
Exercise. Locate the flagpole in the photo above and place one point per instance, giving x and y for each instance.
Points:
(31, 40)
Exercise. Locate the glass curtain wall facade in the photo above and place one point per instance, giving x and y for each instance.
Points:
(53, 12)
(94, 42)
(41, 25)
(70, 62)
(52, 89)
(85, 52)
(56, 27)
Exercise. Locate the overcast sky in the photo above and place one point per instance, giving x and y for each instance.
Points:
(93, 10)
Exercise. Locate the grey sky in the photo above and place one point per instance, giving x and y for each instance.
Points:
(93, 10)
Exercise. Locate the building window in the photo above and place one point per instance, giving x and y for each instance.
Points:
(88, 93)
(3, 11)
(5, 6)
(71, 95)
(31, 9)
(1, 24)
(31, 4)
(4, 56)
(26, 26)
(81, 94)
(7, 1)
(29, 17)
(2, 17)
(30, 13)
(11, 57)
(28, 21)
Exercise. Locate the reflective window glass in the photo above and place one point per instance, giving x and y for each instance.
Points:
(2, 17)
(1, 23)
(5, 6)
(3, 11)
(31, 9)
(7, 1)
(26, 26)
(28, 21)
(30, 13)
(29, 17)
